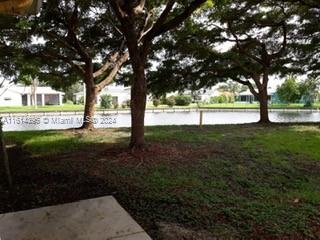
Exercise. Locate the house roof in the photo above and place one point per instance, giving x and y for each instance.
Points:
(27, 90)
(111, 89)
(247, 93)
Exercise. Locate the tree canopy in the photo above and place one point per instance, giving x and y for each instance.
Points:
(246, 41)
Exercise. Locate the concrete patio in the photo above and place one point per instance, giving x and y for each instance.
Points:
(94, 219)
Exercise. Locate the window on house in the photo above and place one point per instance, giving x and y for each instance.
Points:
(7, 99)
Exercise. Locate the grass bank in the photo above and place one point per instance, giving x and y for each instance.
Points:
(256, 105)
(237, 181)
(65, 107)
(71, 107)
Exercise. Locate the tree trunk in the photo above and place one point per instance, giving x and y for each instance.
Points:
(4, 156)
(138, 106)
(264, 111)
(89, 109)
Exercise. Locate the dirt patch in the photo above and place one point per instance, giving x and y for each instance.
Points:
(170, 231)
(157, 153)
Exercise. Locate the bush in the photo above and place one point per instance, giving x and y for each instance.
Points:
(171, 101)
(163, 100)
(106, 101)
(156, 102)
(126, 104)
(69, 102)
(81, 100)
(231, 99)
(183, 100)
(308, 104)
(115, 105)
(219, 99)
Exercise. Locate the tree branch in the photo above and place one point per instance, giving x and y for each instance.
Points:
(52, 55)
(117, 66)
(241, 49)
(284, 44)
(163, 26)
(249, 85)
(54, 36)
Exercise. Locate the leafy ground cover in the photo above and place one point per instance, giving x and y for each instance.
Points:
(236, 181)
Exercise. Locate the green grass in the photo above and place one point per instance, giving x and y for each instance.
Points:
(237, 181)
(65, 107)
(49, 143)
(256, 105)
(70, 107)
(295, 140)
(43, 143)
(231, 105)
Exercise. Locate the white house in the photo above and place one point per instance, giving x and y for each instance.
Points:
(19, 95)
(119, 94)
(248, 97)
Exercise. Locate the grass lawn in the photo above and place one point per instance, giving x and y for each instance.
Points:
(71, 107)
(231, 182)
(255, 105)
(65, 107)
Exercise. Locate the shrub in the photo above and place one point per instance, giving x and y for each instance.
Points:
(163, 100)
(308, 104)
(69, 102)
(219, 99)
(156, 102)
(170, 101)
(115, 105)
(81, 100)
(106, 101)
(183, 100)
(231, 99)
(126, 104)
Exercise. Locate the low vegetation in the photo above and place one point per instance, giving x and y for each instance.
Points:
(248, 181)
(106, 101)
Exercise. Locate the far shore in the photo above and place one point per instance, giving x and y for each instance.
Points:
(192, 107)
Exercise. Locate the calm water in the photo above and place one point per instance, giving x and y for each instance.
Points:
(22, 122)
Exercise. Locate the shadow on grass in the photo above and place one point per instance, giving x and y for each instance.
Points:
(249, 184)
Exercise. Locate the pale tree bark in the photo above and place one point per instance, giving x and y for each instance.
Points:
(34, 86)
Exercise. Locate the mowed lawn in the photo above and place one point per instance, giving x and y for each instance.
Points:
(72, 107)
(232, 182)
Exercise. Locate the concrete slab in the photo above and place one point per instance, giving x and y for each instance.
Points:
(93, 219)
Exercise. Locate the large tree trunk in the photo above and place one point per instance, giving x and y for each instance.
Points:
(90, 102)
(264, 111)
(138, 106)
(89, 108)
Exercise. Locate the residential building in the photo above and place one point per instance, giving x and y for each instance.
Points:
(19, 95)
(248, 97)
(119, 93)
